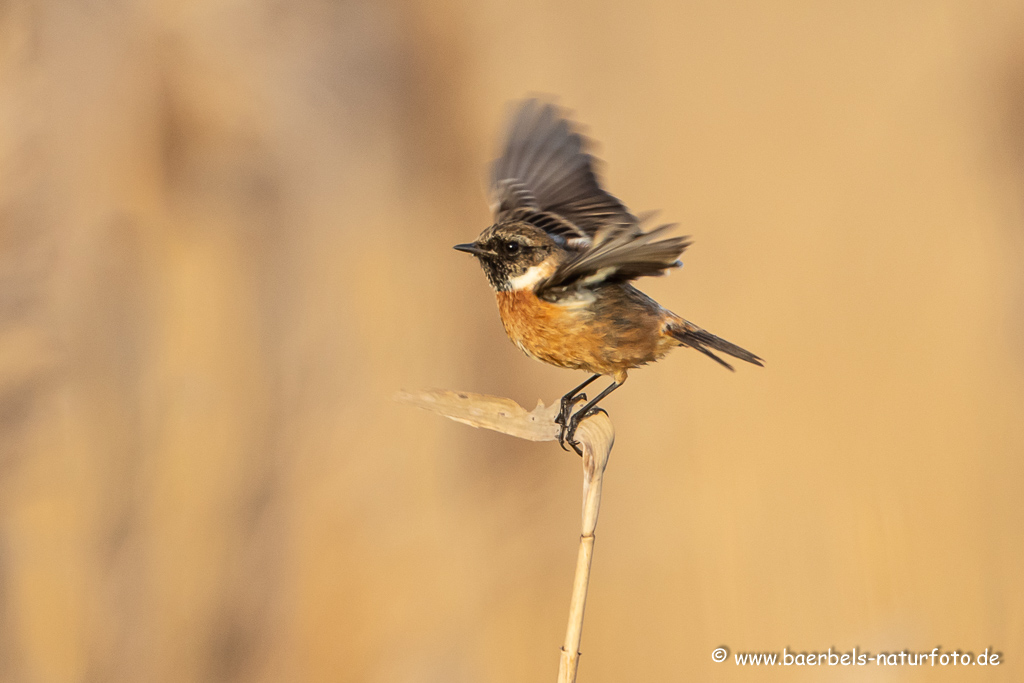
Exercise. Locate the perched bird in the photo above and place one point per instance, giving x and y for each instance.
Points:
(561, 255)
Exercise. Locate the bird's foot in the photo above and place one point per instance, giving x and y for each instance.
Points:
(565, 437)
(568, 403)
(563, 417)
(568, 433)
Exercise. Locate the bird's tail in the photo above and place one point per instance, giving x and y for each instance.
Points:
(688, 334)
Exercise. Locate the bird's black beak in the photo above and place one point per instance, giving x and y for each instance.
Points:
(472, 248)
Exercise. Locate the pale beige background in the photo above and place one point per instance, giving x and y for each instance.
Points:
(225, 233)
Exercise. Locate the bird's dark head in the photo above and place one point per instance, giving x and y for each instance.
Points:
(514, 255)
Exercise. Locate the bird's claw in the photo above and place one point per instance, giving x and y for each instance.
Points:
(568, 403)
(568, 432)
(564, 437)
(563, 418)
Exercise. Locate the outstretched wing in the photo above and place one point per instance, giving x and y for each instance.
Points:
(616, 256)
(545, 169)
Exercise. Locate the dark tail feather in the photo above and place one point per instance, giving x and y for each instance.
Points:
(688, 334)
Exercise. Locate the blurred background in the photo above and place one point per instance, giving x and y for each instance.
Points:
(225, 243)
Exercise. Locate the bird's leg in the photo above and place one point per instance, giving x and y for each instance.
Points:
(570, 400)
(569, 430)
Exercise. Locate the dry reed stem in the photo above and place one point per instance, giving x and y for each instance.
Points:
(596, 437)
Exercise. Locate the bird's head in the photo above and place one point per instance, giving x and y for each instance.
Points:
(514, 255)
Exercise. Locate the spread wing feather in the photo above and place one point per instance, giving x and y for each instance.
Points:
(545, 167)
(617, 256)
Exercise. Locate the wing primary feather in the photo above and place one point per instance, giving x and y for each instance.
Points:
(545, 165)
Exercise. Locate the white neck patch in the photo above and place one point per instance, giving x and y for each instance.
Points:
(531, 277)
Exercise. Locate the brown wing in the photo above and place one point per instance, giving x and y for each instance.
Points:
(616, 256)
(545, 168)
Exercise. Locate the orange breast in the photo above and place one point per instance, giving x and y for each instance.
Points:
(582, 337)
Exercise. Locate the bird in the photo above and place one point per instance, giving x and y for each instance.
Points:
(561, 256)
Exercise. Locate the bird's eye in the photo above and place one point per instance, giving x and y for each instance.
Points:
(511, 248)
